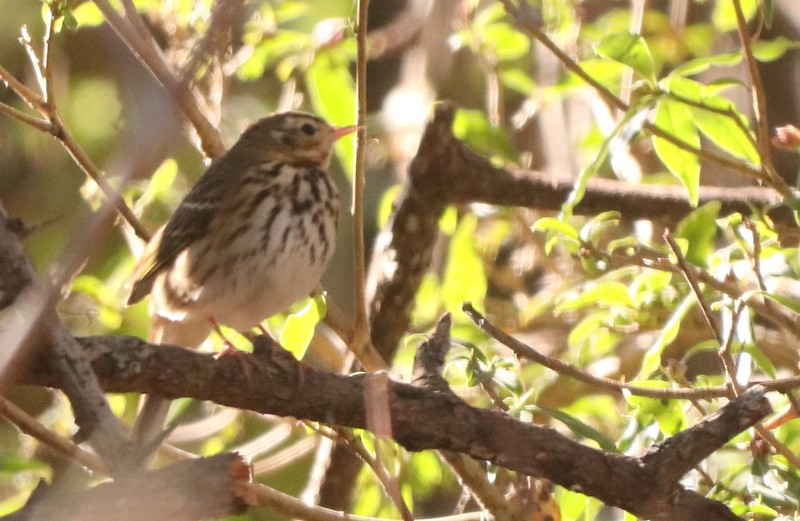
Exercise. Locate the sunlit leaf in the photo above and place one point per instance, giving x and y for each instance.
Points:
(716, 117)
(629, 49)
(464, 277)
(580, 428)
(333, 94)
(669, 414)
(299, 327)
(652, 358)
(724, 16)
(474, 127)
(579, 188)
(506, 42)
(675, 119)
(610, 293)
(699, 228)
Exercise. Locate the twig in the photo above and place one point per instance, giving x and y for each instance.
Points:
(759, 100)
(781, 317)
(33, 121)
(44, 103)
(28, 96)
(47, 54)
(566, 369)
(361, 328)
(525, 20)
(33, 428)
(689, 275)
(389, 483)
(187, 99)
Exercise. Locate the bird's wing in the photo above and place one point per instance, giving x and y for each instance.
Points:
(189, 222)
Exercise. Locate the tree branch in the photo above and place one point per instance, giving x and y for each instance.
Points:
(186, 491)
(421, 419)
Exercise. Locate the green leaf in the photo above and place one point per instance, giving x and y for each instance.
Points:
(299, 327)
(578, 427)
(767, 12)
(716, 117)
(629, 49)
(518, 80)
(386, 205)
(551, 224)
(698, 65)
(271, 50)
(506, 42)
(559, 232)
(474, 127)
(724, 16)
(160, 183)
(771, 50)
(578, 190)
(699, 228)
(669, 414)
(652, 358)
(592, 230)
(789, 302)
(611, 293)
(333, 94)
(674, 118)
(464, 277)
(88, 15)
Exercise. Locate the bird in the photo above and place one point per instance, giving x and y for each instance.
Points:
(253, 236)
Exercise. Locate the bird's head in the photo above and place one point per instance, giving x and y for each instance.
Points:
(293, 137)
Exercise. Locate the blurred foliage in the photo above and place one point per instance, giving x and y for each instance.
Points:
(571, 286)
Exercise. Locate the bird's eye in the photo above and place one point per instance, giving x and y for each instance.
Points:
(308, 129)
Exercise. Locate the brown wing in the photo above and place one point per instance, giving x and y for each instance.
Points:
(189, 223)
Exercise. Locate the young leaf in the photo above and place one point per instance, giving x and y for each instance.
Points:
(629, 49)
(299, 328)
(699, 229)
(675, 118)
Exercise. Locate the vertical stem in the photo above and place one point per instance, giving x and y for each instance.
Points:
(759, 104)
(360, 333)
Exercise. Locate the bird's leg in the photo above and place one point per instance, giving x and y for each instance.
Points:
(229, 348)
(246, 362)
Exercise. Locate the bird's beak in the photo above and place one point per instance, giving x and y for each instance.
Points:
(339, 132)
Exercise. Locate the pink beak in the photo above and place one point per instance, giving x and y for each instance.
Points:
(339, 132)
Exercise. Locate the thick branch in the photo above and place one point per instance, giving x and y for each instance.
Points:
(677, 455)
(446, 171)
(186, 491)
(28, 321)
(421, 419)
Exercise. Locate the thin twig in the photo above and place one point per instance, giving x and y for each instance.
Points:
(361, 328)
(759, 105)
(44, 103)
(47, 47)
(689, 275)
(186, 98)
(759, 101)
(28, 96)
(389, 483)
(30, 426)
(33, 121)
(779, 447)
(38, 70)
(725, 351)
(525, 20)
(783, 318)
(525, 351)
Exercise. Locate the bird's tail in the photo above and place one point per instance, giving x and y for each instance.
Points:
(153, 414)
